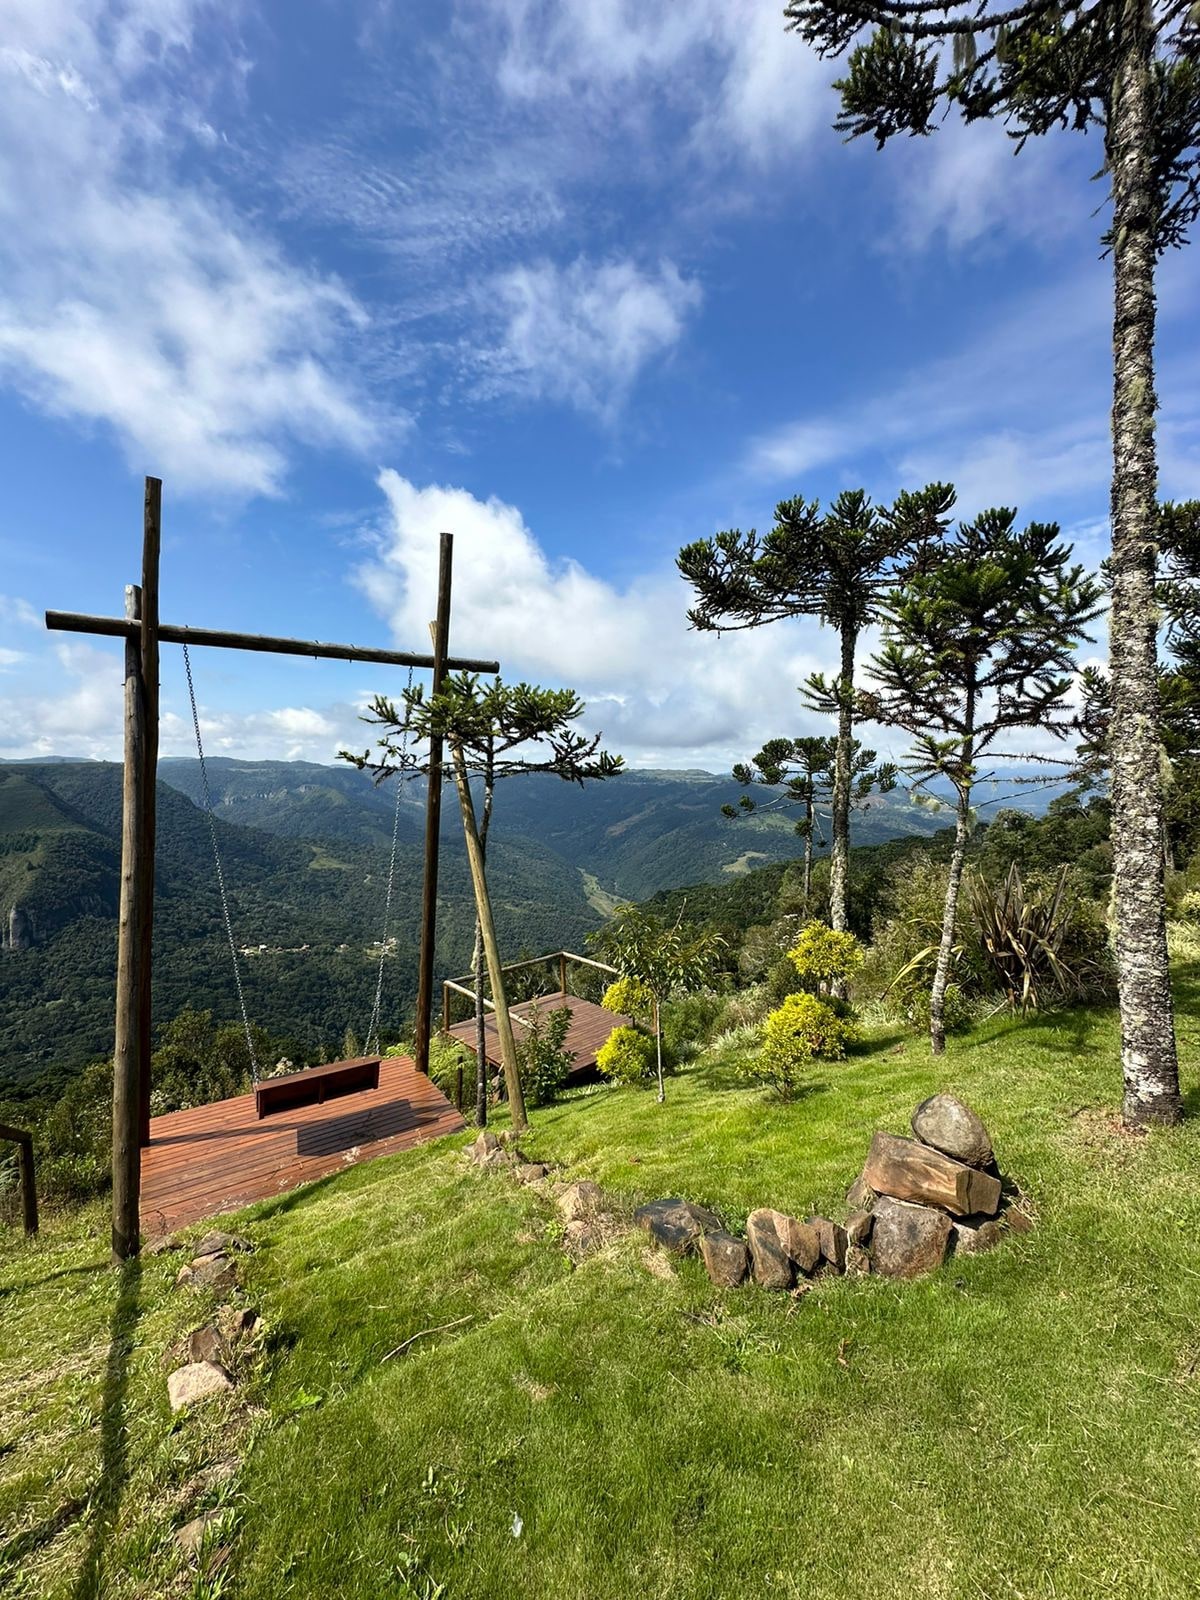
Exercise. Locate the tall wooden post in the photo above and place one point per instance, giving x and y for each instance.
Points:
(131, 1061)
(151, 547)
(433, 813)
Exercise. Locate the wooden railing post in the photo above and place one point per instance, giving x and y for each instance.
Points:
(23, 1140)
(562, 971)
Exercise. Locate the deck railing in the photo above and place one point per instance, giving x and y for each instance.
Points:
(565, 958)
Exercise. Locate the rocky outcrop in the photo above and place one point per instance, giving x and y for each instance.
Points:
(19, 930)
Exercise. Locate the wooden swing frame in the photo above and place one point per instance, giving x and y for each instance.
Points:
(142, 632)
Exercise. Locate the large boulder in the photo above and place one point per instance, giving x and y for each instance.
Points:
(909, 1170)
(726, 1259)
(948, 1124)
(908, 1240)
(779, 1246)
(199, 1380)
(677, 1224)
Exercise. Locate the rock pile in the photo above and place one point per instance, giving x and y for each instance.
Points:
(916, 1200)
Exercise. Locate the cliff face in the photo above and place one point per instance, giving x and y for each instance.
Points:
(19, 931)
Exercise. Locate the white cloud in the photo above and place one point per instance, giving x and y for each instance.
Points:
(743, 85)
(581, 334)
(15, 612)
(73, 706)
(663, 694)
(133, 300)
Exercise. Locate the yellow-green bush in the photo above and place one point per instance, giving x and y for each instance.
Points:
(801, 1030)
(822, 956)
(627, 1056)
(631, 998)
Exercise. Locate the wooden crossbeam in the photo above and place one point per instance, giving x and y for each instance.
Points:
(169, 633)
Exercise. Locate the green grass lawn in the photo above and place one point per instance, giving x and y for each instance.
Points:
(1022, 1424)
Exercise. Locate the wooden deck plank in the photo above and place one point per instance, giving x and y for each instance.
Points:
(218, 1157)
(590, 1028)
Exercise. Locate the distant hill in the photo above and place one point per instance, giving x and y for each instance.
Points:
(634, 834)
(305, 849)
(316, 905)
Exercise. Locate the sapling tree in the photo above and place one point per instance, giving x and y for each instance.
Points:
(493, 730)
(801, 773)
(663, 958)
(834, 565)
(1131, 69)
(977, 649)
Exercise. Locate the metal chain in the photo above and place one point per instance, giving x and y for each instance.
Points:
(373, 1029)
(212, 828)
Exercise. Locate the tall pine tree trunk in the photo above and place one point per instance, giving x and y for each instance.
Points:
(941, 973)
(839, 860)
(808, 833)
(481, 1060)
(491, 948)
(1148, 1056)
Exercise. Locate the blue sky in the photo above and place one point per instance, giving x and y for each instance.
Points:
(577, 279)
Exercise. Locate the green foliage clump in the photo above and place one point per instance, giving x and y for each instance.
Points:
(541, 1059)
(822, 956)
(803, 1029)
(627, 1056)
(448, 1057)
(629, 997)
(689, 1022)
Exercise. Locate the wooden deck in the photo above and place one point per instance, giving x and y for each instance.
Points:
(590, 1027)
(218, 1157)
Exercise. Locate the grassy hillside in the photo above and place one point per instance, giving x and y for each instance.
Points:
(1021, 1424)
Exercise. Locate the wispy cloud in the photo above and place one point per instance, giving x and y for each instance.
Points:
(582, 334)
(134, 300)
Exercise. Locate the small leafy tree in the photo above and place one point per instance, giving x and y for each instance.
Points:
(542, 1056)
(492, 730)
(835, 566)
(665, 958)
(976, 649)
(1130, 68)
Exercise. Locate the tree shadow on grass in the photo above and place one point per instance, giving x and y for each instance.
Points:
(109, 1491)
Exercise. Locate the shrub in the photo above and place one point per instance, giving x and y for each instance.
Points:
(627, 1056)
(689, 1022)
(823, 957)
(541, 1059)
(803, 1029)
(447, 1057)
(631, 998)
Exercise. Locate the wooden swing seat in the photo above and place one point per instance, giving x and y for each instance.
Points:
(315, 1085)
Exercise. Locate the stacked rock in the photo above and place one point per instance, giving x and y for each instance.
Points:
(919, 1198)
(778, 1251)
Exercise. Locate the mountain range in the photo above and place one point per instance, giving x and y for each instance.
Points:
(305, 850)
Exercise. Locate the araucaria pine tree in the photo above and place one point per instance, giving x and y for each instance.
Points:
(835, 566)
(493, 730)
(802, 774)
(976, 650)
(1132, 69)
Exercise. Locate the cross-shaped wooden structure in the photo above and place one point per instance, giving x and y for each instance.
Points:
(142, 632)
